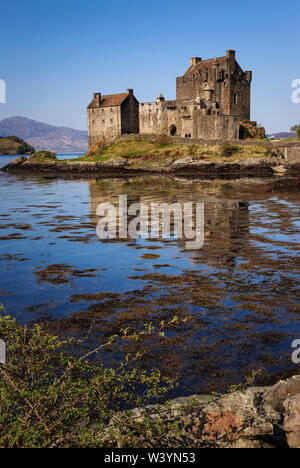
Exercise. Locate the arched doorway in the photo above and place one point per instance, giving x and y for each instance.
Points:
(173, 130)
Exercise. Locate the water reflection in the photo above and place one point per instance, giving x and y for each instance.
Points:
(240, 292)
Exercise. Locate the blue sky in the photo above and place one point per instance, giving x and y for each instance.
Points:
(55, 54)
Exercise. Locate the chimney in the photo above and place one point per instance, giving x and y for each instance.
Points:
(249, 76)
(97, 99)
(195, 60)
(130, 92)
(231, 57)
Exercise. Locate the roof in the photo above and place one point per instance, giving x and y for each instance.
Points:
(110, 100)
(205, 65)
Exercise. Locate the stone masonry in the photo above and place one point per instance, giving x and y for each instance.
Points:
(212, 98)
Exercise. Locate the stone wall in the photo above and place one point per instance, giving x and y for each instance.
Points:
(219, 127)
(189, 141)
(290, 150)
(188, 120)
(103, 122)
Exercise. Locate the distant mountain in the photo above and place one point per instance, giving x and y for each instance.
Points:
(283, 135)
(45, 137)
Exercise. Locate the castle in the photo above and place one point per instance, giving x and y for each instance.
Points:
(212, 98)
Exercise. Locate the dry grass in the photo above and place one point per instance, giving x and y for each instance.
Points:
(139, 152)
(8, 146)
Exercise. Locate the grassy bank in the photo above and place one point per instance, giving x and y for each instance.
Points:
(161, 150)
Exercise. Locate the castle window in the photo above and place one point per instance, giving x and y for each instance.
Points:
(236, 99)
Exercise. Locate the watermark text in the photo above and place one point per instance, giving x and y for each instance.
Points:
(2, 352)
(2, 92)
(296, 92)
(152, 220)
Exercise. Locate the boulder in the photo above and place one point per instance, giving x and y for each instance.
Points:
(116, 162)
(292, 421)
(282, 391)
(244, 420)
(237, 420)
(17, 162)
(279, 169)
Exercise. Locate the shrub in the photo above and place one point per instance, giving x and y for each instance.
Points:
(97, 149)
(24, 148)
(250, 130)
(227, 149)
(51, 399)
(162, 140)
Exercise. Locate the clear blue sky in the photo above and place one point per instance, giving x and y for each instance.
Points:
(55, 54)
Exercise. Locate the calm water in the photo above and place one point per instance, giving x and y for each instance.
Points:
(240, 292)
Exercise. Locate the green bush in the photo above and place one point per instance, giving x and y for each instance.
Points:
(24, 148)
(296, 128)
(51, 399)
(227, 149)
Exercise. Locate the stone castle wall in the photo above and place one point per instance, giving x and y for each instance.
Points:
(103, 122)
(188, 120)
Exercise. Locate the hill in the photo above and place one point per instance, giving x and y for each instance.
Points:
(14, 145)
(45, 137)
(283, 135)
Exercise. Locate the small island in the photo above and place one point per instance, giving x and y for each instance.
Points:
(11, 145)
(130, 155)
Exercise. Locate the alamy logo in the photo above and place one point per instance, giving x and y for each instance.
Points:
(296, 93)
(296, 353)
(2, 352)
(152, 220)
(2, 92)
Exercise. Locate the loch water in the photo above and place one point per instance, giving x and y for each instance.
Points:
(239, 292)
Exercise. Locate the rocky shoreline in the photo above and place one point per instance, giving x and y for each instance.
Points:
(264, 417)
(119, 167)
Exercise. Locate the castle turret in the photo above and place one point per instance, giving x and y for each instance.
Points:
(160, 98)
(208, 92)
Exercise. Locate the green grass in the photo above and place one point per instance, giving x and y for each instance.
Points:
(151, 152)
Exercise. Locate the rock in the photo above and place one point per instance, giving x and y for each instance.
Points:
(116, 162)
(183, 162)
(242, 419)
(254, 162)
(17, 162)
(292, 421)
(238, 420)
(282, 391)
(279, 169)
